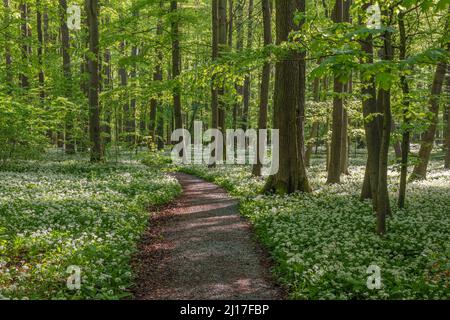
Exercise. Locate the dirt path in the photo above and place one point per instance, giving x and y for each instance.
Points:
(201, 248)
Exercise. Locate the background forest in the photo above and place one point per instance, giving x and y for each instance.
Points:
(86, 117)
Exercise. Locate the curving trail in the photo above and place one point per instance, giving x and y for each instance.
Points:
(201, 248)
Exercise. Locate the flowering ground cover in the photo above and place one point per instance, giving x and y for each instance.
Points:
(324, 243)
(59, 214)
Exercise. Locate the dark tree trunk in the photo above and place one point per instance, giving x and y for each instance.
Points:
(291, 176)
(154, 103)
(420, 169)
(406, 134)
(247, 80)
(41, 76)
(25, 32)
(222, 40)
(372, 126)
(334, 170)
(67, 72)
(237, 107)
(383, 203)
(315, 124)
(176, 68)
(8, 58)
(92, 9)
(215, 54)
(265, 79)
(447, 135)
(123, 75)
(106, 128)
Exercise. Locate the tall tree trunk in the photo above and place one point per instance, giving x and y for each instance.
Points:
(383, 204)
(41, 76)
(106, 128)
(406, 103)
(8, 59)
(372, 126)
(215, 54)
(123, 75)
(247, 83)
(230, 22)
(315, 124)
(265, 80)
(154, 103)
(344, 162)
(447, 135)
(291, 176)
(237, 107)
(92, 9)
(131, 120)
(334, 170)
(67, 72)
(222, 40)
(25, 32)
(176, 68)
(420, 169)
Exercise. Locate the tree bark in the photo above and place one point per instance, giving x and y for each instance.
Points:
(25, 32)
(383, 204)
(447, 135)
(265, 80)
(406, 104)
(291, 176)
(372, 126)
(92, 9)
(420, 169)
(8, 58)
(67, 72)
(41, 76)
(176, 64)
(334, 170)
(247, 80)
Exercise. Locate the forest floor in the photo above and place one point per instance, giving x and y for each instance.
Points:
(201, 248)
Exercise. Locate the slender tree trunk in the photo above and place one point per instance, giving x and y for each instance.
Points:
(8, 58)
(237, 107)
(25, 32)
(67, 72)
(334, 170)
(406, 133)
(247, 80)
(123, 75)
(92, 9)
(315, 124)
(265, 79)
(420, 169)
(372, 126)
(383, 203)
(222, 40)
(447, 135)
(41, 76)
(215, 54)
(291, 176)
(176, 65)
(230, 22)
(157, 76)
(131, 120)
(107, 113)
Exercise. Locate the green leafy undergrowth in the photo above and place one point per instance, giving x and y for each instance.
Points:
(55, 215)
(323, 243)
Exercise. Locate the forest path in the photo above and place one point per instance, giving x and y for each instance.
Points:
(201, 248)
